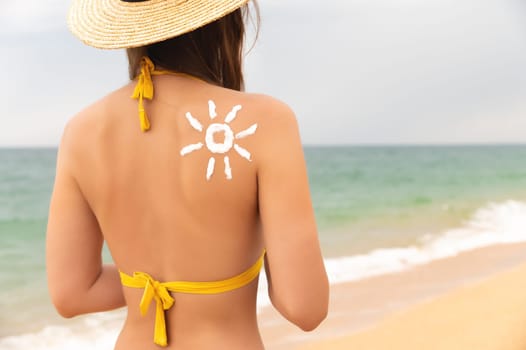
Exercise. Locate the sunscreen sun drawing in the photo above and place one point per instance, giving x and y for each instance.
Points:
(219, 148)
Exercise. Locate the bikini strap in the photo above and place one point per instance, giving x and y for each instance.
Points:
(159, 292)
(144, 87)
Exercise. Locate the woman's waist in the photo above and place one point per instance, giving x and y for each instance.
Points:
(199, 324)
(228, 339)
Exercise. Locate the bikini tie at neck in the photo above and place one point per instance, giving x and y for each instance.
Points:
(144, 89)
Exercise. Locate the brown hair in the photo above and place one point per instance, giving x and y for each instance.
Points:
(213, 53)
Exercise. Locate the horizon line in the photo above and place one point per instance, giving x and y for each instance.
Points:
(328, 145)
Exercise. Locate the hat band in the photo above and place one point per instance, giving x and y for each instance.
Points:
(135, 0)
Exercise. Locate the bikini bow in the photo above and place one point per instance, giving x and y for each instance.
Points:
(144, 89)
(154, 290)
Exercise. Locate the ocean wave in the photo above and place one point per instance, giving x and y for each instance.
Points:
(496, 223)
(97, 331)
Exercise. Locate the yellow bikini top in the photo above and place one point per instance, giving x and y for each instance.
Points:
(144, 87)
(159, 291)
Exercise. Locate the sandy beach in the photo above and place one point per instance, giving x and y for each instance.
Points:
(475, 300)
(369, 240)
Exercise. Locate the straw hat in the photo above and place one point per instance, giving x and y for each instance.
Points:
(119, 24)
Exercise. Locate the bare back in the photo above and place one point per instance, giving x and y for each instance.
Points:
(160, 214)
(169, 205)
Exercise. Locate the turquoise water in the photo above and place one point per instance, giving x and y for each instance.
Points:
(384, 196)
(26, 179)
(352, 184)
(365, 198)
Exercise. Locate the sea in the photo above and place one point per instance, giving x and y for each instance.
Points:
(379, 209)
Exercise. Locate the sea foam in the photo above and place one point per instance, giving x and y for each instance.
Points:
(496, 223)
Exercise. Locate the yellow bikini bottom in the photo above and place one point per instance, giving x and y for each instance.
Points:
(159, 291)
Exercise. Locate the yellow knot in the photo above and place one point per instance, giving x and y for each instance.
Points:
(154, 290)
(144, 89)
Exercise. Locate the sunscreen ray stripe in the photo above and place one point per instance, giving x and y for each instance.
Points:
(232, 114)
(194, 122)
(242, 152)
(191, 148)
(212, 109)
(247, 132)
(228, 169)
(210, 168)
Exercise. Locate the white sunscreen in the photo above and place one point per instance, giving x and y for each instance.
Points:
(243, 152)
(247, 132)
(228, 169)
(232, 114)
(212, 109)
(219, 147)
(191, 148)
(210, 168)
(220, 130)
(194, 122)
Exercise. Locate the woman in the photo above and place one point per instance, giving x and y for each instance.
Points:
(189, 180)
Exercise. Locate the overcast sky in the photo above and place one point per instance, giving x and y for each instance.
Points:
(355, 71)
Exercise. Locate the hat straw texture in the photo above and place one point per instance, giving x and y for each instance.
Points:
(117, 24)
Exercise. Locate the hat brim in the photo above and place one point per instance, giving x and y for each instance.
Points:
(116, 24)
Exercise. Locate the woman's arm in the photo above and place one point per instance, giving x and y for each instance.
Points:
(78, 282)
(298, 284)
